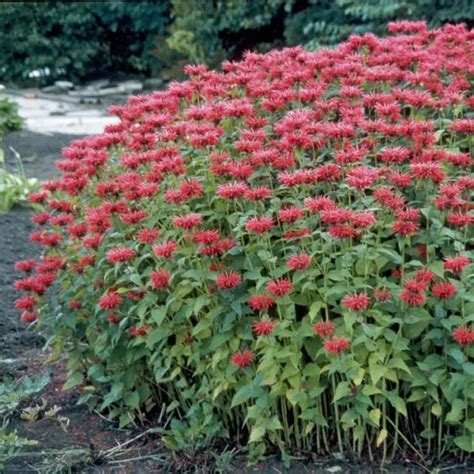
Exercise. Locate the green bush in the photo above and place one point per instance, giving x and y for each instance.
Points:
(10, 120)
(79, 39)
(279, 253)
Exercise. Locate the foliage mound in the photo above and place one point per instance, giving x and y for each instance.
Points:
(278, 252)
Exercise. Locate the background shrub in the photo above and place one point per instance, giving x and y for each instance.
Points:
(281, 253)
(79, 39)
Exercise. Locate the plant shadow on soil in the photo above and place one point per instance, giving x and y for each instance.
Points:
(81, 447)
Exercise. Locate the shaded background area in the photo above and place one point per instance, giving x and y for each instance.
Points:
(45, 41)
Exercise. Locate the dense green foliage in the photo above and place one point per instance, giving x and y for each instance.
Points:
(10, 120)
(80, 39)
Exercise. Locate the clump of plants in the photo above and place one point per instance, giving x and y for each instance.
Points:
(10, 120)
(280, 252)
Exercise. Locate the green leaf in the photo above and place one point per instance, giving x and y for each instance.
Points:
(381, 437)
(455, 414)
(376, 372)
(242, 395)
(257, 433)
(397, 402)
(158, 314)
(73, 380)
(466, 443)
(343, 390)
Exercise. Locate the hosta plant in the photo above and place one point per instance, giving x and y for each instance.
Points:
(280, 253)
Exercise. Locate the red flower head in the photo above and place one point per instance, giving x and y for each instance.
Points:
(160, 279)
(263, 327)
(110, 301)
(443, 290)
(242, 358)
(29, 317)
(27, 303)
(187, 222)
(259, 225)
(165, 249)
(424, 275)
(228, 280)
(382, 295)
(324, 328)
(148, 236)
(463, 336)
(299, 261)
(456, 264)
(25, 265)
(356, 301)
(336, 345)
(120, 254)
(261, 302)
(279, 287)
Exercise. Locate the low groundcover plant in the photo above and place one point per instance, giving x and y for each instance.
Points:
(279, 252)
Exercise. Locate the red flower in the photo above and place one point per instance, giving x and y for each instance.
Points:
(443, 290)
(259, 225)
(242, 358)
(110, 301)
(160, 279)
(228, 280)
(165, 249)
(261, 302)
(29, 317)
(324, 328)
(463, 336)
(232, 190)
(424, 275)
(25, 265)
(299, 261)
(456, 264)
(412, 298)
(187, 222)
(27, 303)
(382, 295)
(120, 254)
(148, 236)
(263, 327)
(279, 287)
(356, 302)
(290, 214)
(336, 345)
(141, 331)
